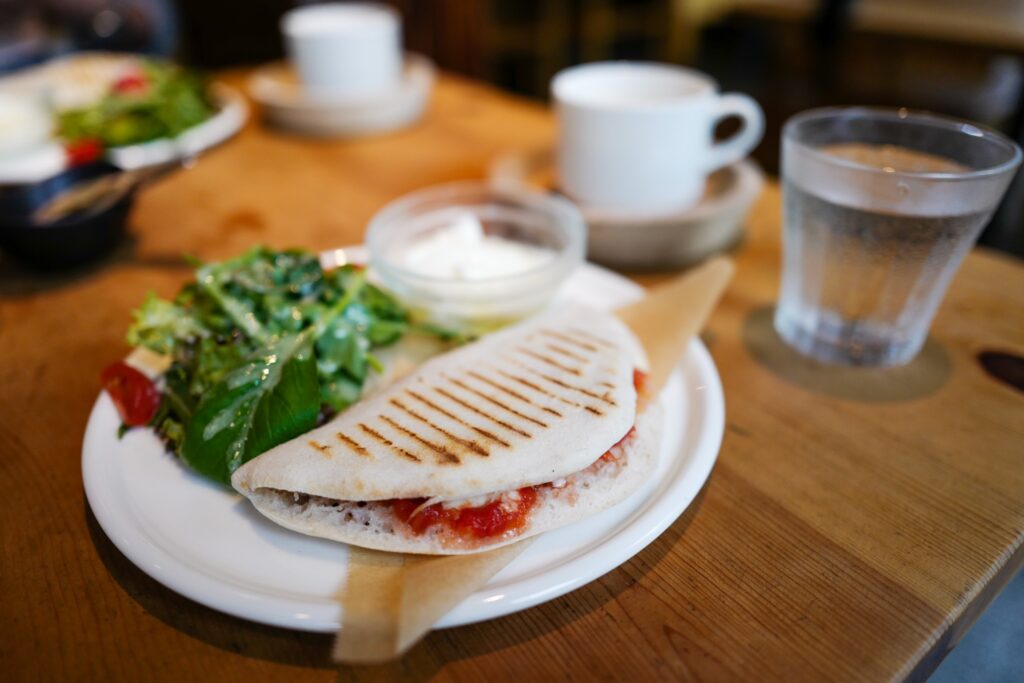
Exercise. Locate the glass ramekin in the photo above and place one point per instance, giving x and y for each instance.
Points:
(477, 305)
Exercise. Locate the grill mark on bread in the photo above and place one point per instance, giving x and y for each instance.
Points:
(511, 392)
(471, 445)
(548, 360)
(446, 454)
(469, 406)
(324, 449)
(593, 338)
(566, 352)
(482, 432)
(537, 388)
(490, 399)
(570, 340)
(607, 385)
(388, 442)
(353, 444)
(572, 387)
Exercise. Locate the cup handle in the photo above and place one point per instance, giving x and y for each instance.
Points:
(743, 141)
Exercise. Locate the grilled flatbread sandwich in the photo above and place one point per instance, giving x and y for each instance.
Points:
(526, 430)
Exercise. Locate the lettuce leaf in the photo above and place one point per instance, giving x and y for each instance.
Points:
(159, 325)
(268, 399)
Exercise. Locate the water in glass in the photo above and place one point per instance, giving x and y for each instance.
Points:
(866, 264)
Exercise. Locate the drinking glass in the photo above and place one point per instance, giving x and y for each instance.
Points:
(879, 208)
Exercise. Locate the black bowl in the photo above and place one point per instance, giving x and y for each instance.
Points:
(73, 240)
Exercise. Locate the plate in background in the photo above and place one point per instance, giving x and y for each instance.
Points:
(81, 79)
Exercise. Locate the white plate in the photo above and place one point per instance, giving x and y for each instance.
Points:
(211, 546)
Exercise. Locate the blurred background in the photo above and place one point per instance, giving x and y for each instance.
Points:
(957, 57)
(964, 58)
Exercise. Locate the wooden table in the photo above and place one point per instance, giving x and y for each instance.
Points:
(854, 526)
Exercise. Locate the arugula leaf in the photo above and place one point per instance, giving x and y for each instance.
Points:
(340, 391)
(211, 359)
(272, 397)
(209, 278)
(159, 325)
(341, 348)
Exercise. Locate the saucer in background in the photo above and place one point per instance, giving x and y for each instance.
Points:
(673, 240)
(288, 106)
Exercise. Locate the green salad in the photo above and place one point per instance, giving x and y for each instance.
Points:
(264, 347)
(157, 100)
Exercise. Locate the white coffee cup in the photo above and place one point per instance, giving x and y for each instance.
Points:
(345, 50)
(637, 138)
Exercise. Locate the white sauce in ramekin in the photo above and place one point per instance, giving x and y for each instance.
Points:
(464, 251)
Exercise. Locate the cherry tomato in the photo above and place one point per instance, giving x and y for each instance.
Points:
(83, 151)
(134, 394)
(132, 83)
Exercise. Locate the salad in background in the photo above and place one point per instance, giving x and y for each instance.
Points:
(262, 348)
(149, 101)
(77, 108)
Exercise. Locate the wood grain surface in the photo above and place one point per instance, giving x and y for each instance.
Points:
(853, 528)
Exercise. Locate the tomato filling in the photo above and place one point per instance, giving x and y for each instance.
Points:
(501, 516)
(614, 452)
(639, 380)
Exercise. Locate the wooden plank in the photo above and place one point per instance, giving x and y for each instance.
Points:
(990, 24)
(839, 538)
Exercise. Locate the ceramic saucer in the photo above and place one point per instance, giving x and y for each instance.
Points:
(287, 106)
(655, 241)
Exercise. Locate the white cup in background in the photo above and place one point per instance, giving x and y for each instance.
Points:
(637, 138)
(345, 50)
